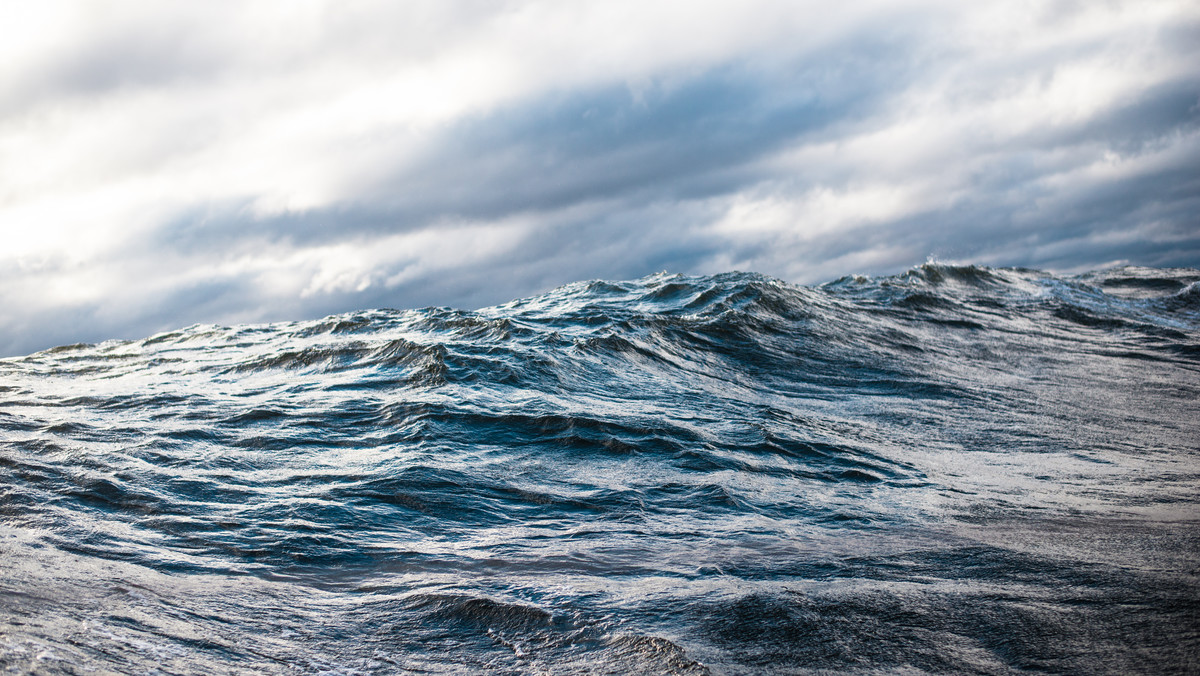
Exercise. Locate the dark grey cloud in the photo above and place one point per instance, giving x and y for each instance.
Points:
(691, 138)
(702, 138)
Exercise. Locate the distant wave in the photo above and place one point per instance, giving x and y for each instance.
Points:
(958, 469)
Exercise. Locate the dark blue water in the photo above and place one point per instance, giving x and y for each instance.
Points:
(954, 470)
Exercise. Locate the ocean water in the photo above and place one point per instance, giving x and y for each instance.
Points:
(953, 470)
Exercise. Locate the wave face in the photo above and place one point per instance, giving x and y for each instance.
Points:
(953, 470)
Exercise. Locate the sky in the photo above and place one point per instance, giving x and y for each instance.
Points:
(166, 163)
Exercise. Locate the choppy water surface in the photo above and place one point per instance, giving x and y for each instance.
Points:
(956, 469)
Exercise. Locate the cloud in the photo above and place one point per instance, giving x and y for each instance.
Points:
(165, 164)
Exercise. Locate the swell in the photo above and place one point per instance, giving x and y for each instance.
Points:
(657, 474)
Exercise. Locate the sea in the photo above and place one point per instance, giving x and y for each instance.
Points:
(954, 470)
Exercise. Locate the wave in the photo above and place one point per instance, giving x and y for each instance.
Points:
(955, 469)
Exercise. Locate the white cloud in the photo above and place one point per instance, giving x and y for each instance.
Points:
(308, 154)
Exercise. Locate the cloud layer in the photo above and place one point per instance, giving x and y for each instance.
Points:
(163, 164)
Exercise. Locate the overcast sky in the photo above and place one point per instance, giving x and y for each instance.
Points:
(169, 163)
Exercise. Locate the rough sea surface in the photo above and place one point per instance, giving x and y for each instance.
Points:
(953, 470)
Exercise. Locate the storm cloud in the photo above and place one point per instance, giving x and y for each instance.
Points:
(163, 164)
